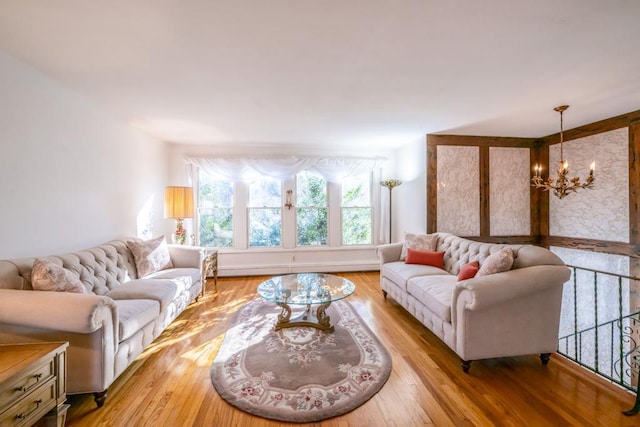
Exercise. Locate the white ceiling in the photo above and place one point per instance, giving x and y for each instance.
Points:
(358, 73)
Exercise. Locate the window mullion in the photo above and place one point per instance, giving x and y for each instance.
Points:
(240, 215)
(334, 214)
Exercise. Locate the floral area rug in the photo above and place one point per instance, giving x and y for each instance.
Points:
(298, 374)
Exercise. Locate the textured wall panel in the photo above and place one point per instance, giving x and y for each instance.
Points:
(459, 190)
(602, 212)
(509, 191)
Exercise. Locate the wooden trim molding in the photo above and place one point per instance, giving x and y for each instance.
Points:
(622, 121)
(634, 184)
(506, 240)
(480, 141)
(539, 199)
(485, 192)
(432, 186)
(602, 246)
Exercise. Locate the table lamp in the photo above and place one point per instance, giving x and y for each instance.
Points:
(178, 205)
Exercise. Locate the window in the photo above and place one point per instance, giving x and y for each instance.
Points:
(251, 214)
(311, 209)
(265, 212)
(357, 217)
(215, 212)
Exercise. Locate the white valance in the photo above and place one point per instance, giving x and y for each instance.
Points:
(247, 168)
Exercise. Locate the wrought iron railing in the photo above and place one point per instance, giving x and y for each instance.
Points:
(606, 326)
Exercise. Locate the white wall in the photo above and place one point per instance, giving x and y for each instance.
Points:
(410, 199)
(71, 175)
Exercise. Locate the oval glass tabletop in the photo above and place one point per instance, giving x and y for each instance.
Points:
(305, 288)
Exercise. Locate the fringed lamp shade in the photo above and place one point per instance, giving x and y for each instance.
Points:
(178, 204)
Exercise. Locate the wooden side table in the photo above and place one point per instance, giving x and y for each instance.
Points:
(209, 268)
(33, 384)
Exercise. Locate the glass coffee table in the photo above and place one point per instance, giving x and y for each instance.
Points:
(305, 289)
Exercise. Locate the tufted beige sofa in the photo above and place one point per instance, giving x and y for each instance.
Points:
(512, 313)
(107, 328)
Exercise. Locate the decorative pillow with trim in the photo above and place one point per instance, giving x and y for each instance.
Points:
(434, 259)
(469, 270)
(150, 255)
(47, 276)
(418, 242)
(497, 262)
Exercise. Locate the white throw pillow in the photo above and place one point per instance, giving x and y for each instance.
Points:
(150, 255)
(497, 262)
(47, 276)
(418, 242)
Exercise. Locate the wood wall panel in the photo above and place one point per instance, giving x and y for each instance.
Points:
(634, 184)
(485, 193)
(603, 246)
(432, 185)
(540, 200)
(484, 143)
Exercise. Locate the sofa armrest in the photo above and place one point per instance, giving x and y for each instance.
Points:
(183, 256)
(57, 311)
(494, 289)
(389, 253)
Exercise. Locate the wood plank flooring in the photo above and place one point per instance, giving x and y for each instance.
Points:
(169, 383)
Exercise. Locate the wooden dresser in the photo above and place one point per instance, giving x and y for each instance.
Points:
(33, 383)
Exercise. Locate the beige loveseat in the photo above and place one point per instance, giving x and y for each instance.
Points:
(111, 324)
(512, 313)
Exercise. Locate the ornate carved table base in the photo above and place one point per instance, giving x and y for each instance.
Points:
(318, 320)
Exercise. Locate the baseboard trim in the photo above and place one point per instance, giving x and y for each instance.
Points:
(292, 268)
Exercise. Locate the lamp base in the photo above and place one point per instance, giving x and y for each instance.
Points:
(180, 236)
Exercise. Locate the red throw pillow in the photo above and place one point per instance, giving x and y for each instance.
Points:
(468, 271)
(434, 259)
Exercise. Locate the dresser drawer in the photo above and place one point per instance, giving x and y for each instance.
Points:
(31, 407)
(11, 392)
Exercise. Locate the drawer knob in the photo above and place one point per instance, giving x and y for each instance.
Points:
(21, 417)
(37, 376)
(21, 389)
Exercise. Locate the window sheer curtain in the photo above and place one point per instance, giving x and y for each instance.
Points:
(247, 169)
(333, 169)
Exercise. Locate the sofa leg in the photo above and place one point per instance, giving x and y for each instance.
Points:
(384, 294)
(466, 364)
(100, 397)
(545, 358)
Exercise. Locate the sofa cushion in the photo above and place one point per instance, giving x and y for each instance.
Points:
(163, 291)
(47, 276)
(134, 314)
(399, 272)
(184, 278)
(497, 262)
(469, 270)
(150, 255)
(435, 292)
(434, 259)
(419, 242)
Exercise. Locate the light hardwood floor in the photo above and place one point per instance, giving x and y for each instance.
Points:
(169, 384)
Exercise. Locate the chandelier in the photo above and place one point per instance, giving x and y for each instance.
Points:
(562, 185)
